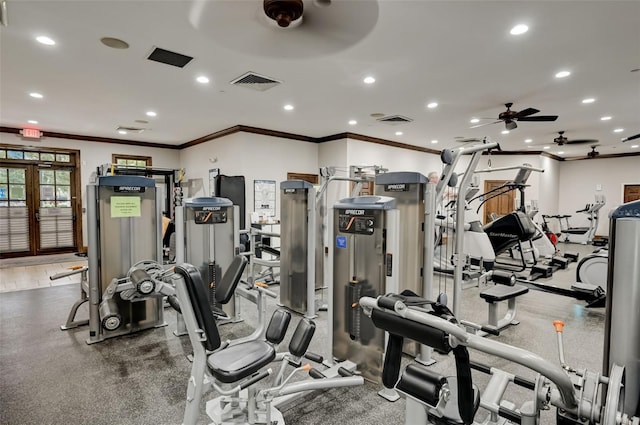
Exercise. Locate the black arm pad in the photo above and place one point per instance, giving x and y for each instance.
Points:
(466, 406)
(392, 358)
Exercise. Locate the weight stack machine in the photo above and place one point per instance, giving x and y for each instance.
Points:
(622, 324)
(209, 238)
(365, 253)
(124, 228)
(298, 247)
(408, 189)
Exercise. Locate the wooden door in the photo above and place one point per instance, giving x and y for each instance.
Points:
(631, 192)
(500, 205)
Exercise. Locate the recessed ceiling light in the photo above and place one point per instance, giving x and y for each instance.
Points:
(32, 122)
(151, 114)
(353, 122)
(474, 120)
(434, 141)
(369, 80)
(519, 29)
(560, 153)
(36, 95)
(399, 133)
(634, 146)
(605, 118)
(588, 100)
(288, 107)
(45, 40)
(618, 130)
(563, 74)
(461, 147)
(546, 147)
(202, 79)
(114, 43)
(432, 105)
(528, 140)
(122, 132)
(505, 132)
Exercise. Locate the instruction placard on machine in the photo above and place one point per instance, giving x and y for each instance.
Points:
(354, 221)
(210, 215)
(125, 206)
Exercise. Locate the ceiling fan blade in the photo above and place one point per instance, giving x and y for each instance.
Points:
(526, 112)
(482, 125)
(581, 141)
(631, 138)
(539, 118)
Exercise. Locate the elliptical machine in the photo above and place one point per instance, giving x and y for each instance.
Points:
(584, 234)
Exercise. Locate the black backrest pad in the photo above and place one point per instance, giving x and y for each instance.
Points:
(302, 337)
(229, 282)
(278, 326)
(415, 331)
(200, 303)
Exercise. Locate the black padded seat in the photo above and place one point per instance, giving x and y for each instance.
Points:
(451, 415)
(576, 230)
(503, 292)
(239, 361)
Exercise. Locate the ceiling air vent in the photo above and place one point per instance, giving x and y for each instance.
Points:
(394, 119)
(170, 58)
(254, 81)
(131, 129)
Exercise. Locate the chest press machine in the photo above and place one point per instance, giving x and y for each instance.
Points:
(235, 369)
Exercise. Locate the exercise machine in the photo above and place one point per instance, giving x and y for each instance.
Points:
(437, 399)
(208, 236)
(233, 370)
(298, 247)
(408, 189)
(582, 235)
(592, 269)
(364, 258)
(124, 232)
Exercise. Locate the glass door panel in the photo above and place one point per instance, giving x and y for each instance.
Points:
(55, 215)
(14, 211)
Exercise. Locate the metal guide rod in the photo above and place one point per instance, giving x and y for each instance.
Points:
(429, 248)
(459, 247)
(180, 229)
(311, 255)
(515, 167)
(95, 291)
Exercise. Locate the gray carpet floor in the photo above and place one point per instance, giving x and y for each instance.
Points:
(48, 376)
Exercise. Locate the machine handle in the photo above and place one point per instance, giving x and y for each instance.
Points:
(262, 287)
(314, 357)
(559, 325)
(316, 374)
(255, 379)
(75, 270)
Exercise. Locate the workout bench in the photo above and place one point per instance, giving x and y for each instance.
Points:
(496, 294)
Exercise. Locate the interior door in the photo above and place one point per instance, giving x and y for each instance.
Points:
(500, 205)
(631, 192)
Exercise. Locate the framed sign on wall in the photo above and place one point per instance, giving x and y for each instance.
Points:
(264, 198)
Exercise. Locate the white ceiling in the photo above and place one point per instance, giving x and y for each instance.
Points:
(457, 53)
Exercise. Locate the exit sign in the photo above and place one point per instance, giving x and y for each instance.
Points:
(31, 133)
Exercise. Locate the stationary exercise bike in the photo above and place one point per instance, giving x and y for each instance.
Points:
(583, 235)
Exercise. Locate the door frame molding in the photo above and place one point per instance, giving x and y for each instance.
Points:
(75, 163)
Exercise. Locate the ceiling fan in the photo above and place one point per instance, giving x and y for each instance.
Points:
(627, 139)
(561, 140)
(593, 152)
(510, 117)
(292, 29)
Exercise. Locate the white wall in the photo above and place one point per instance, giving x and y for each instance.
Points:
(580, 181)
(94, 154)
(250, 155)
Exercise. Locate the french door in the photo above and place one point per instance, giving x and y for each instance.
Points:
(38, 207)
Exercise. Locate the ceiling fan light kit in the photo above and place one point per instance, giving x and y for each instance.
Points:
(283, 11)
